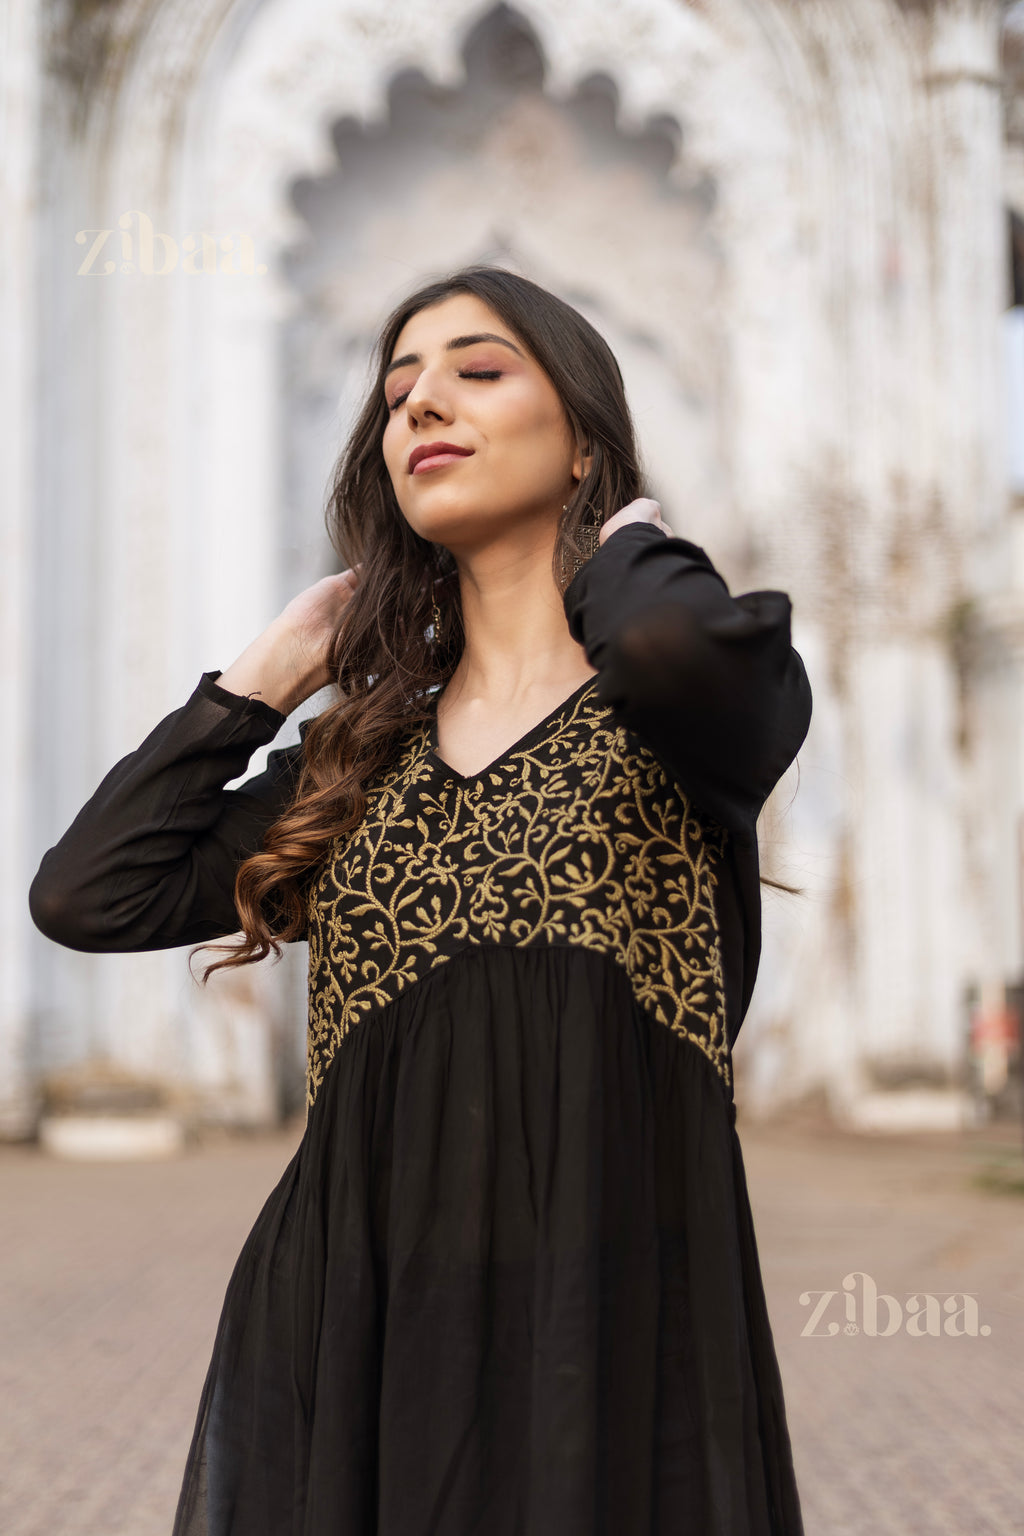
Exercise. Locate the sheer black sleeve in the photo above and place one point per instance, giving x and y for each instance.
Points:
(150, 860)
(709, 681)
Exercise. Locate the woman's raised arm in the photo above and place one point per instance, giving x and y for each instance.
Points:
(150, 860)
(709, 681)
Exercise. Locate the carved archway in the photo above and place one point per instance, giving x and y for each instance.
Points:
(203, 114)
(493, 169)
(227, 105)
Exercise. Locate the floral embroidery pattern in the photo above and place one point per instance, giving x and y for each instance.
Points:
(579, 838)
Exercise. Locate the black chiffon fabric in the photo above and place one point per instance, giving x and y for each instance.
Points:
(509, 1281)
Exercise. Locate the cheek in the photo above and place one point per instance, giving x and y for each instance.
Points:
(390, 455)
(529, 421)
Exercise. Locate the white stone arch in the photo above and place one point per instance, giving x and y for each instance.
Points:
(213, 109)
(263, 84)
(555, 188)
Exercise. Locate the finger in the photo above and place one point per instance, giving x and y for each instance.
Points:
(644, 507)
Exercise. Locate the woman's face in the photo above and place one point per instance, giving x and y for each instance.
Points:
(489, 399)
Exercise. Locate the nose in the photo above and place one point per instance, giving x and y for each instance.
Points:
(425, 400)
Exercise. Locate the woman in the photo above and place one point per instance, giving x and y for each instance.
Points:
(509, 1282)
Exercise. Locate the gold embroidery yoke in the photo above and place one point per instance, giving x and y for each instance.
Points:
(575, 836)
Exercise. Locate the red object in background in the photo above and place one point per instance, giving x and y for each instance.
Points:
(995, 1024)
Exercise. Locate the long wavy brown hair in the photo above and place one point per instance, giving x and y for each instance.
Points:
(383, 661)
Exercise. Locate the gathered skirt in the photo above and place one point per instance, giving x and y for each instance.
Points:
(507, 1286)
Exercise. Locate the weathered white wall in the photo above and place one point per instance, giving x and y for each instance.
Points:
(19, 169)
(806, 306)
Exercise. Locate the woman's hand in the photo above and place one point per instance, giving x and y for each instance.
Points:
(312, 617)
(643, 510)
(287, 663)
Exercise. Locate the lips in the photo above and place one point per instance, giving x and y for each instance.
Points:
(444, 453)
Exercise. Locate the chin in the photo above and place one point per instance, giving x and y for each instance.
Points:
(461, 523)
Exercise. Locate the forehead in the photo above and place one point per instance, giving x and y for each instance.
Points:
(458, 314)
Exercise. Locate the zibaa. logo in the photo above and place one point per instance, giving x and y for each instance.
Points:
(921, 1315)
(149, 252)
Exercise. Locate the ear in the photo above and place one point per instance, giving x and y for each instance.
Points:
(581, 465)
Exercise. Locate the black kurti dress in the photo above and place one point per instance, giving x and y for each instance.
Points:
(508, 1285)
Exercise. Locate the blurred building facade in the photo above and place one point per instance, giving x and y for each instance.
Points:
(788, 217)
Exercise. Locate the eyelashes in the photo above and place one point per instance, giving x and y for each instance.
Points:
(483, 373)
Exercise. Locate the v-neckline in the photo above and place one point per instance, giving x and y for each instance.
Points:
(525, 740)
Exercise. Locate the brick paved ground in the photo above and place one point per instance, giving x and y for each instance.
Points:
(111, 1278)
(898, 1434)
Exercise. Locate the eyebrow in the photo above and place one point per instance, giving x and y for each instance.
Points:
(452, 346)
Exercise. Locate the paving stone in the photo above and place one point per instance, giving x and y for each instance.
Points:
(112, 1277)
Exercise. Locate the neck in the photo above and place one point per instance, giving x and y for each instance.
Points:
(517, 644)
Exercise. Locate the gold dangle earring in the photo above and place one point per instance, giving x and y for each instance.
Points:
(435, 614)
(590, 538)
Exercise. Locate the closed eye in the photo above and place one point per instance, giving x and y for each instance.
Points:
(485, 373)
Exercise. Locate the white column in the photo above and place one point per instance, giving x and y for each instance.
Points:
(918, 887)
(969, 255)
(19, 28)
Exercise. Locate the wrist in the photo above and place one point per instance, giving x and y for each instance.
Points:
(615, 524)
(275, 669)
